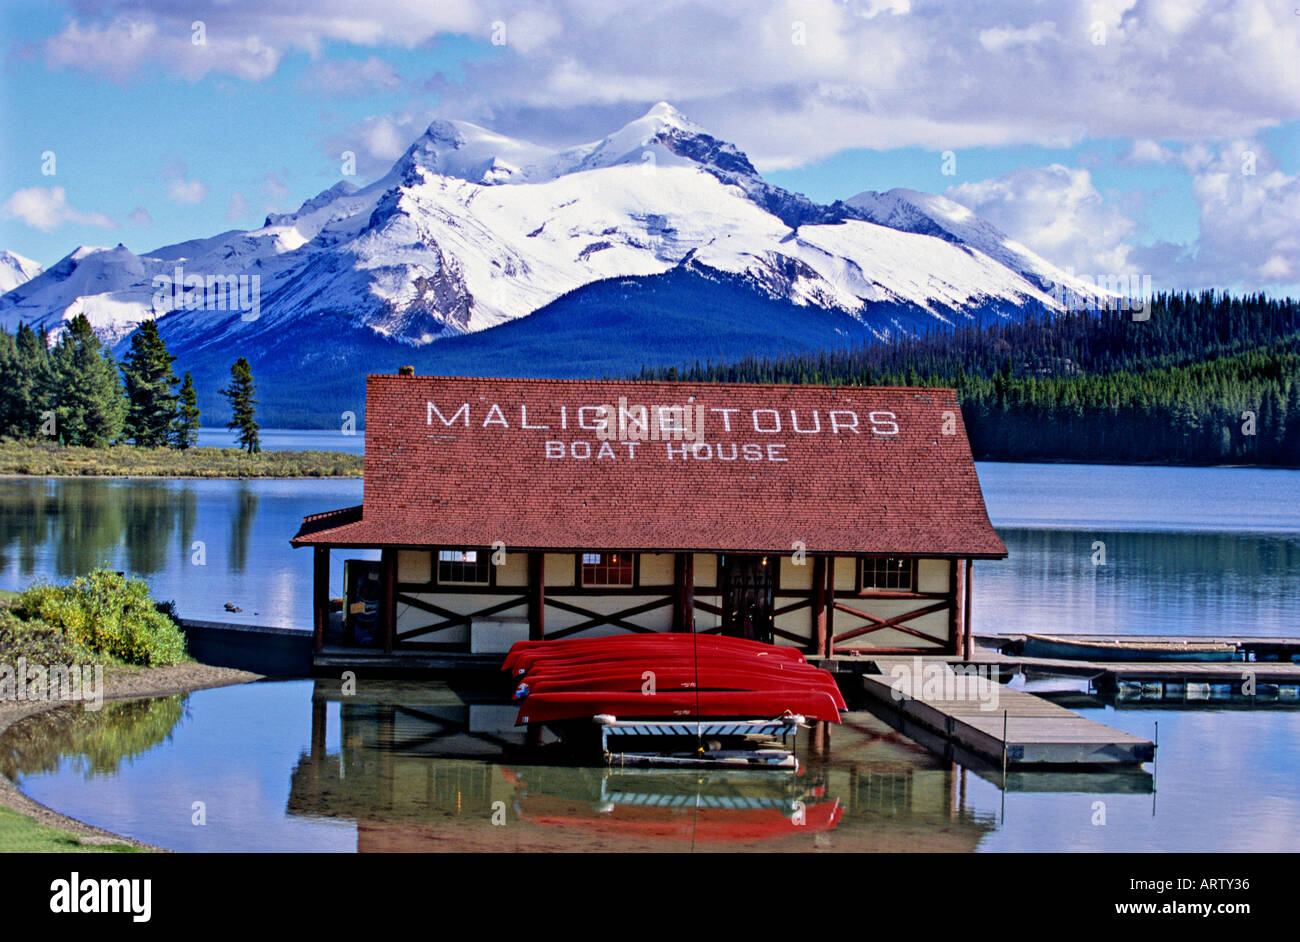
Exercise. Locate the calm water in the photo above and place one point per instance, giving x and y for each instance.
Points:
(417, 768)
(287, 766)
(1187, 551)
(289, 439)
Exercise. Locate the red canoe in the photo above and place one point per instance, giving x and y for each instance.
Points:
(523, 654)
(705, 676)
(546, 707)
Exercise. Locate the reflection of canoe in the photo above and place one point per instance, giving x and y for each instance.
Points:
(708, 807)
(1088, 649)
(706, 825)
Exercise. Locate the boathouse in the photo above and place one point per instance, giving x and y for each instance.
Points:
(835, 519)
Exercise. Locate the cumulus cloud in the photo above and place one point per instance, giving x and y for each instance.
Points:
(1058, 212)
(1250, 218)
(131, 42)
(46, 208)
(788, 80)
(1248, 211)
(140, 217)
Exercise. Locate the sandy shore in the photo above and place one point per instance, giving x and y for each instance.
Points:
(120, 683)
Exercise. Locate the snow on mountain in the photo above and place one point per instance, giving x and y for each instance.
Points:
(110, 286)
(16, 269)
(470, 229)
(938, 216)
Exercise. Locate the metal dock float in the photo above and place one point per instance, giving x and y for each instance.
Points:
(982, 717)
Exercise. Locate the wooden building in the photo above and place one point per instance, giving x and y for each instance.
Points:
(835, 519)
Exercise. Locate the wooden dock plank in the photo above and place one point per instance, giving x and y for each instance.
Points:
(971, 712)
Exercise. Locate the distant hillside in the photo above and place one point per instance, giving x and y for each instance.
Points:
(1205, 379)
(606, 329)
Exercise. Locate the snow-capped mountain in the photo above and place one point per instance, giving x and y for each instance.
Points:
(15, 270)
(470, 229)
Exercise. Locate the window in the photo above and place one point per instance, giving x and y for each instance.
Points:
(889, 572)
(607, 569)
(463, 567)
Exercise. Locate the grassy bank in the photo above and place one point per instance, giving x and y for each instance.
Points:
(20, 834)
(42, 459)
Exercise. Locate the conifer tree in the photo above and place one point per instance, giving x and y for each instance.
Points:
(87, 398)
(185, 428)
(150, 388)
(240, 394)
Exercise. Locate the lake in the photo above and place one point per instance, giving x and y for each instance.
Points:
(289, 766)
(1187, 550)
(401, 767)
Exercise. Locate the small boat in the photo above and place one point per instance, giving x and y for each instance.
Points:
(1084, 648)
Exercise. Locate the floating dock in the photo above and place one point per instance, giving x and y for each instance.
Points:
(992, 721)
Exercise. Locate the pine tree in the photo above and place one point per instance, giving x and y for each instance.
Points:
(24, 393)
(240, 393)
(185, 427)
(150, 388)
(87, 397)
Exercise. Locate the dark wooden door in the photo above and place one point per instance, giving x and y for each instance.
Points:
(747, 597)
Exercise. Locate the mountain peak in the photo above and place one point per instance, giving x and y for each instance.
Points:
(665, 112)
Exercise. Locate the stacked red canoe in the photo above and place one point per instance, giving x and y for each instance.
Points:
(667, 676)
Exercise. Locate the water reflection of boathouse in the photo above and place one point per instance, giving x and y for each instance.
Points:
(418, 769)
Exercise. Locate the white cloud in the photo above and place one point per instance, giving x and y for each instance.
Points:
(129, 43)
(997, 39)
(181, 190)
(1248, 209)
(1144, 151)
(140, 217)
(46, 208)
(1057, 212)
(866, 73)
(349, 77)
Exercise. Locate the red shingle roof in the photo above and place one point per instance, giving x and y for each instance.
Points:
(468, 462)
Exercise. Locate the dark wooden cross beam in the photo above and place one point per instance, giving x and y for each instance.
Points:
(880, 624)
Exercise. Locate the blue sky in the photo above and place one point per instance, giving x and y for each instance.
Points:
(1127, 154)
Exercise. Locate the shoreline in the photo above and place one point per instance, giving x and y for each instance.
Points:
(120, 683)
(41, 459)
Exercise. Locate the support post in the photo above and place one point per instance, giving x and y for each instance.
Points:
(536, 596)
(829, 651)
(320, 595)
(954, 616)
(388, 607)
(819, 604)
(966, 606)
(684, 592)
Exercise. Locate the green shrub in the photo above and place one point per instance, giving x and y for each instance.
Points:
(107, 615)
(35, 640)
